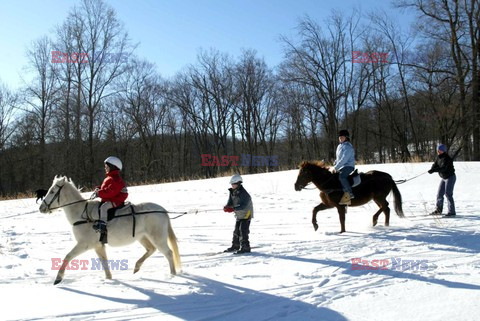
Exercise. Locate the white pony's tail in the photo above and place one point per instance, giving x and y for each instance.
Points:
(172, 241)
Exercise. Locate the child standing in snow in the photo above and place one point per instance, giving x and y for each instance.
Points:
(241, 204)
(444, 166)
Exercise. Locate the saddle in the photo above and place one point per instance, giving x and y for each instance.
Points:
(126, 209)
(123, 210)
(354, 178)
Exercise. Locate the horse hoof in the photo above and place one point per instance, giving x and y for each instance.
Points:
(57, 281)
(315, 227)
(375, 222)
(135, 271)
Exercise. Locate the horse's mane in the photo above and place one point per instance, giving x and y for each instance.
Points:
(65, 180)
(320, 164)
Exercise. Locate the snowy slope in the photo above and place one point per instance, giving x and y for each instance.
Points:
(293, 273)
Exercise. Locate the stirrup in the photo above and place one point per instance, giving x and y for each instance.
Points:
(345, 200)
(99, 226)
(103, 237)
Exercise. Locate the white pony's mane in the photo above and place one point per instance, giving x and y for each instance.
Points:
(64, 180)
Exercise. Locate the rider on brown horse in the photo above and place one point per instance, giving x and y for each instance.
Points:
(344, 165)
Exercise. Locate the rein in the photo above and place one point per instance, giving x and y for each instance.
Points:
(312, 188)
(401, 181)
(137, 213)
(180, 214)
(68, 204)
(56, 197)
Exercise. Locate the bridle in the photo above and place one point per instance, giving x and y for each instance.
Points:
(308, 188)
(311, 182)
(56, 197)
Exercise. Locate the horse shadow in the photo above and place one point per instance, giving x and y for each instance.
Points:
(345, 267)
(217, 300)
(445, 239)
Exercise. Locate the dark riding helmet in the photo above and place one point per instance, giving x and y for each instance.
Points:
(344, 132)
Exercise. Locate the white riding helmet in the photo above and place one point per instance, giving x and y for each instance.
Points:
(236, 179)
(114, 161)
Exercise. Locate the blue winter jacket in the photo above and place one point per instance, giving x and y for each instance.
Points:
(345, 156)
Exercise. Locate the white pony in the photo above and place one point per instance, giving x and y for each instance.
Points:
(152, 229)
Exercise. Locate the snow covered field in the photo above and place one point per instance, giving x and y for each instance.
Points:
(293, 272)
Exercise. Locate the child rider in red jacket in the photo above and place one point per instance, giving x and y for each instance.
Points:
(113, 192)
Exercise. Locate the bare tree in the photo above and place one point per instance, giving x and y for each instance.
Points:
(68, 117)
(317, 62)
(100, 35)
(399, 44)
(213, 83)
(188, 101)
(144, 102)
(42, 96)
(8, 104)
(456, 23)
(436, 94)
(257, 116)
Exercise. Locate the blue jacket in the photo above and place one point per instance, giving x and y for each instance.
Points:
(345, 156)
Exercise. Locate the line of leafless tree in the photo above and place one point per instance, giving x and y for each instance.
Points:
(72, 115)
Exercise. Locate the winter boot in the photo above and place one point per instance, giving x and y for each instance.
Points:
(232, 249)
(244, 249)
(436, 212)
(101, 226)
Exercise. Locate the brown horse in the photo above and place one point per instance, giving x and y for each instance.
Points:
(375, 185)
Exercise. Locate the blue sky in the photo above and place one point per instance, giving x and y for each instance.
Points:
(171, 32)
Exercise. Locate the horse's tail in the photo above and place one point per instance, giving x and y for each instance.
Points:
(172, 241)
(397, 197)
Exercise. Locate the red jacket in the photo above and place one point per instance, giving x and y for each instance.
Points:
(113, 189)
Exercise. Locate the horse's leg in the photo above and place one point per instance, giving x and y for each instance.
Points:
(383, 204)
(317, 209)
(159, 240)
(386, 210)
(102, 254)
(375, 216)
(150, 250)
(76, 251)
(341, 215)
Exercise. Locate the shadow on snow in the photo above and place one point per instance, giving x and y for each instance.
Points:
(221, 301)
